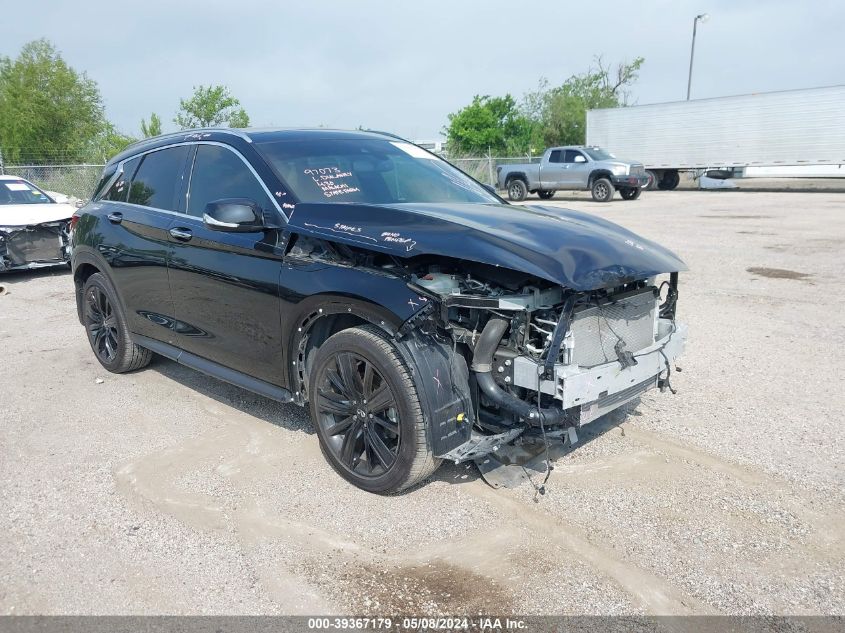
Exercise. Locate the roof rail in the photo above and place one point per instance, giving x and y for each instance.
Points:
(390, 134)
(221, 130)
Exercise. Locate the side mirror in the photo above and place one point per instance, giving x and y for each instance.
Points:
(236, 215)
(580, 159)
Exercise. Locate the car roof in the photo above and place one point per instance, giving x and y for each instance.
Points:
(10, 177)
(248, 135)
(267, 135)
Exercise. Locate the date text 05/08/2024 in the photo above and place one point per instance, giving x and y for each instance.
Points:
(417, 623)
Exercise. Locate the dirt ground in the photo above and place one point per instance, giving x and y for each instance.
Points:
(165, 491)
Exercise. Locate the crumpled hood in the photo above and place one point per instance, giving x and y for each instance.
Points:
(30, 214)
(576, 250)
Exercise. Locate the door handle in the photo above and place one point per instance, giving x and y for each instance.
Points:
(183, 235)
(115, 217)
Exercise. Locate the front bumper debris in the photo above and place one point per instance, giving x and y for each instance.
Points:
(595, 391)
(35, 246)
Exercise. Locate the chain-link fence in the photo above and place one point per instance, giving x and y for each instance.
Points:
(78, 181)
(483, 168)
(74, 181)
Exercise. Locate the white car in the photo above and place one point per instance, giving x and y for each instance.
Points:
(34, 228)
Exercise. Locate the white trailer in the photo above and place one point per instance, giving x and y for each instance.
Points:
(793, 127)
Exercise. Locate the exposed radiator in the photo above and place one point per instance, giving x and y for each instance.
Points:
(597, 329)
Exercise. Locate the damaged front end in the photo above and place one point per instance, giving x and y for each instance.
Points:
(527, 323)
(34, 246)
(542, 360)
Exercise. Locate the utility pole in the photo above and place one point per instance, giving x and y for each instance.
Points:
(703, 18)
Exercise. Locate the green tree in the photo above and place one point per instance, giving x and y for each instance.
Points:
(48, 111)
(209, 107)
(562, 111)
(154, 127)
(108, 142)
(492, 124)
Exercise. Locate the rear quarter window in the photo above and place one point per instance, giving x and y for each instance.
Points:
(120, 187)
(104, 179)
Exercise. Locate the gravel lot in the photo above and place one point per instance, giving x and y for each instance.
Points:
(165, 491)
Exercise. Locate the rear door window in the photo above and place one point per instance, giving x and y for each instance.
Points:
(219, 173)
(554, 157)
(158, 181)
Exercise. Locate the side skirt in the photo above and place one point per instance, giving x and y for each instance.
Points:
(215, 370)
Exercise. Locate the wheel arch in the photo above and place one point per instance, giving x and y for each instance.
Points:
(321, 316)
(441, 376)
(598, 173)
(85, 264)
(516, 175)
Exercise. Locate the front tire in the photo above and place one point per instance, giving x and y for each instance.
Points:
(105, 325)
(517, 190)
(631, 193)
(602, 190)
(367, 413)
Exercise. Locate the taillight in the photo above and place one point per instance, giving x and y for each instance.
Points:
(73, 220)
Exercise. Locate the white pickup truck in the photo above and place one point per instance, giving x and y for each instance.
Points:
(574, 168)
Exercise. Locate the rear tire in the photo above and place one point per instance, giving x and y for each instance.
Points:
(517, 190)
(367, 413)
(670, 180)
(652, 179)
(631, 193)
(105, 325)
(602, 190)
(546, 195)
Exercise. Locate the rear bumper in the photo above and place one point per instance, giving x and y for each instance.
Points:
(594, 391)
(629, 181)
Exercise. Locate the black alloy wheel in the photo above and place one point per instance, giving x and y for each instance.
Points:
(101, 322)
(358, 414)
(367, 412)
(106, 327)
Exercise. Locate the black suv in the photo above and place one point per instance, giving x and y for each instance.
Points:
(420, 316)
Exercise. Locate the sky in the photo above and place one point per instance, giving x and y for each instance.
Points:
(403, 66)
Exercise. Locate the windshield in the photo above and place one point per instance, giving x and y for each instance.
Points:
(597, 153)
(371, 171)
(21, 192)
